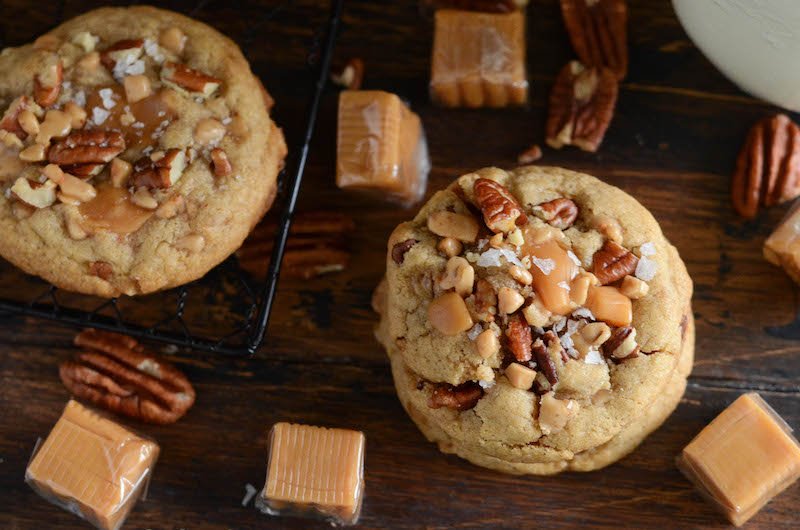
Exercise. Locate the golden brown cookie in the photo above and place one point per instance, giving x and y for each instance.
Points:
(535, 315)
(136, 151)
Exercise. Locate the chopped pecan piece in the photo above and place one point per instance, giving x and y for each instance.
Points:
(10, 120)
(160, 173)
(220, 163)
(530, 155)
(47, 84)
(768, 167)
(613, 262)
(462, 397)
(598, 31)
(93, 146)
(519, 338)
(622, 344)
(101, 269)
(560, 213)
(485, 301)
(183, 78)
(351, 75)
(124, 52)
(582, 104)
(399, 250)
(115, 372)
(34, 193)
(84, 170)
(501, 210)
(544, 362)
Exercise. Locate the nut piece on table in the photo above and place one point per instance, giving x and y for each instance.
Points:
(449, 314)
(322, 476)
(581, 107)
(613, 262)
(115, 372)
(501, 210)
(462, 397)
(555, 413)
(768, 167)
(184, 79)
(599, 33)
(161, 173)
(92, 466)
(743, 458)
(530, 155)
(380, 147)
(351, 75)
(478, 59)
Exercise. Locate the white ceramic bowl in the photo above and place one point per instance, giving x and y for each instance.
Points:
(755, 43)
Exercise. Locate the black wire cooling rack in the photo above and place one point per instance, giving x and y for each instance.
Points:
(227, 298)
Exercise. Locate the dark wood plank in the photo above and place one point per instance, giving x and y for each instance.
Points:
(672, 145)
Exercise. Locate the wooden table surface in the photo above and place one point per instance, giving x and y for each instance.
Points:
(672, 145)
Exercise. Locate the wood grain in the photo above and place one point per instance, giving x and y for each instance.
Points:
(672, 145)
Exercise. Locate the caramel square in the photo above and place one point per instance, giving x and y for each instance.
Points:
(743, 458)
(782, 247)
(380, 146)
(314, 471)
(90, 463)
(478, 59)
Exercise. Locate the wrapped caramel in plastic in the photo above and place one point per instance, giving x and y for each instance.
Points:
(92, 466)
(478, 59)
(314, 472)
(743, 458)
(381, 146)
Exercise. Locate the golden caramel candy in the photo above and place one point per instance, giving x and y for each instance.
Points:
(314, 471)
(609, 305)
(478, 59)
(552, 270)
(380, 146)
(92, 466)
(782, 248)
(743, 458)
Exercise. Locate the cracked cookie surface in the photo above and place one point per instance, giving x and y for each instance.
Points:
(136, 151)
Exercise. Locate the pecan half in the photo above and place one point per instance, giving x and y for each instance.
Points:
(10, 120)
(115, 372)
(598, 31)
(124, 51)
(560, 213)
(582, 104)
(318, 244)
(399, 250)
(160, 173)
(613, 262)
(183, 78)
(47, 84)
(462, 397)
(93, 146)
(622, 344)
(501, 210)
(768, 167)
(519, 338)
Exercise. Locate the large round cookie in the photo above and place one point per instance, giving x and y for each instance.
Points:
(195, 125)
(588, 387)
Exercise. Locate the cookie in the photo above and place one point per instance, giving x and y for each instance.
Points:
(534, 315)
(136, 152)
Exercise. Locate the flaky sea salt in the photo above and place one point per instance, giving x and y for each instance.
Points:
(583, 312)
(486, 384)
(491, 258)
(107, 95)
(647, 249)
(564, 285)
(226, 121)
(153, 51)
(559, 325)
(99, 115)
(646, 269)
(474, 332)
(593, 357)
(574, 258)
(79, 98)
(546, 265)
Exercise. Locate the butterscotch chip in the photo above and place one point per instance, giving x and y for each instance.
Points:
(314, 471)
(743, 458)
(783, 245)
(380, 146)
(478, 59)
(92, 466)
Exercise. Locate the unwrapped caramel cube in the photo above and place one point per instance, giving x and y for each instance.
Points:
(478, 59)
(314, 471)
(92, 466)
(743, 458)
(782, 247)
(381, 146)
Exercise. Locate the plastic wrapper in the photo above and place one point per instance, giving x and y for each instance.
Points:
(381, 147)
(478, 59)
(92, 466)
(314, 472)
(782, 247)
(743, 458)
